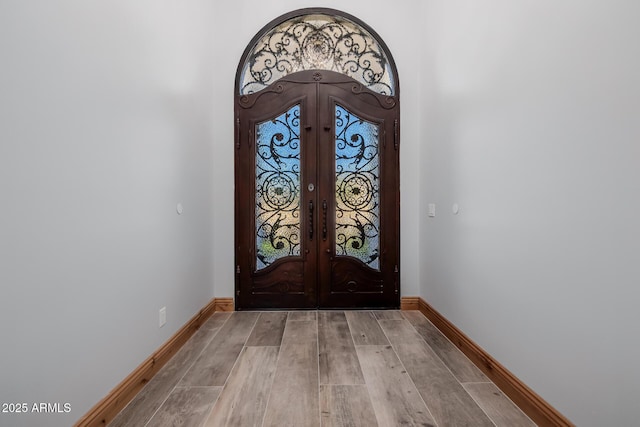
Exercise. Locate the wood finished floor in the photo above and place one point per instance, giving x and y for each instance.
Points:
(324, 368)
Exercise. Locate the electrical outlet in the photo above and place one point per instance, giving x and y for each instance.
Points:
(162, 317)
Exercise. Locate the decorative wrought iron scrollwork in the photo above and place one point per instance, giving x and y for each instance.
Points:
(387, 102)
(318, 41)
(357, 188)
(278, 188)
(246, 101)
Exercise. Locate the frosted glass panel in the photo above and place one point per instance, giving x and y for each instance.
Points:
(357, 188)
(278, 188)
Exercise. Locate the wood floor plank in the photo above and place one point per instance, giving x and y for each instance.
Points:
(213, 367)
(448, 401)
(244, 398)
(186, 407)
(498, 407)
(365, 329)
(388, 314)
(150, 398)
(456, 361)
(294, 395)
(216, 320)
(268, 329)
(394, 398)
(346, 406)
(338, 358)
(300, 332)
(301, 315)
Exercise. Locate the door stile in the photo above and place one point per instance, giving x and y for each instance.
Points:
(309, 194)
(326, 246)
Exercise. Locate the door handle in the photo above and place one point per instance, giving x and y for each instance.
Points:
(310, 219)
(324, 220)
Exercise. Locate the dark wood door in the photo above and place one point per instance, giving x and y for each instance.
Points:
(316, 195)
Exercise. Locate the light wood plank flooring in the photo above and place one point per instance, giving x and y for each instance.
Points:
(324, 368)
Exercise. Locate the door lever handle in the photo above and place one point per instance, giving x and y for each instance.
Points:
(310, 219)
(324, 220)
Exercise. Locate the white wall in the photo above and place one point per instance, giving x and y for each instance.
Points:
(236, 23)
(105, 125)
(531, 123)
(523, 113)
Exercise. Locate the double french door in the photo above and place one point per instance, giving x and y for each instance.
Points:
(316, 195)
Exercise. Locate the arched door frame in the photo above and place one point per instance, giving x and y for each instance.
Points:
(300, 48)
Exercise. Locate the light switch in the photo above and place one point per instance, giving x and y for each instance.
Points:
(432, 210)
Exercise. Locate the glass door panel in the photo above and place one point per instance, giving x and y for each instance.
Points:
(277, 175)
(357, 212)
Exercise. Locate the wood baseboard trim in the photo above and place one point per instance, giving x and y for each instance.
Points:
(539, 410)
(410, 303)
(105, 410)
(224, 304)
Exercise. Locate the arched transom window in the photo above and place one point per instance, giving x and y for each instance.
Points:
(317, 41)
